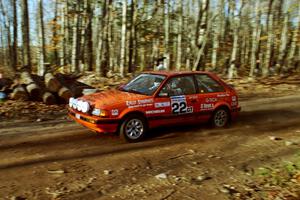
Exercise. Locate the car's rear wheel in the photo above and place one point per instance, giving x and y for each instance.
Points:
(133, 128)
(220, 118)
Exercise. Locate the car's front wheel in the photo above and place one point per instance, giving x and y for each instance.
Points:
(133, 128)
(220, 118)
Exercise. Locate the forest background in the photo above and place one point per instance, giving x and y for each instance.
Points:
(255, 38)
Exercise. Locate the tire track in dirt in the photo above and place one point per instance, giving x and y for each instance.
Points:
(84, 154)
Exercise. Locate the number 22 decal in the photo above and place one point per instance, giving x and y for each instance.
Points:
(179, 107)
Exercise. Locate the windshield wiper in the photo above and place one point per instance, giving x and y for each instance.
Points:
(133, 91)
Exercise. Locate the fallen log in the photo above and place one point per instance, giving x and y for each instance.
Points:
(5, 83)
(19, 93)
(72, 84)
(32, 87)
(65, 94)
(33, 90)
(26, 78)
(51, 83)
(49, 98)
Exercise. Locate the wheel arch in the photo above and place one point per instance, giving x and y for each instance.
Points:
(225, 106)
(132, 113)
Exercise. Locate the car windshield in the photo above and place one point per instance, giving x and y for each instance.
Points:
(145, 84)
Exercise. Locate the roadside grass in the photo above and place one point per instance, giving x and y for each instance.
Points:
(280, 182)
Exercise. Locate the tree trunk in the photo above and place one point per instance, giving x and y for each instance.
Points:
(189, 28)
(8, 49)
(167, 35)
(284, 40)
(111, 38)
(55, 38)
(132, 36)
(42, 48)
(292, 58)
(142, 54)
(67, 39)
(267, 60)
(105, 57)
(99, 48)
(75, 40)
(123, 39)
(216, 34)
(236, 25)
(179, 35)
(89, 38)
(255, 38)
(202, 32)
(26, 36)
(15, 36)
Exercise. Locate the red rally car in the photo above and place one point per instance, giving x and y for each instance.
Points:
(155, 99)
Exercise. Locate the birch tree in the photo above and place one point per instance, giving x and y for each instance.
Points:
(15, 36)
(55, 38)
(89, 37)
(292, 57)
(99, 47)
(216, 33)
(42, 43)
(284, 39)
(179, 36)
(236, 24)
(76, 38)
(132, 36)
(6, 30)
(270, 41)
(255, 38)
(123, 39)
(202, 32)
(166, 35)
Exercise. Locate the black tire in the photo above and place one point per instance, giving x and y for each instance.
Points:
(133, 128)
(220, 118)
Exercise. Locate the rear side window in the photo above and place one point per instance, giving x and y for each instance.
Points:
(206, 84)
(180, 85)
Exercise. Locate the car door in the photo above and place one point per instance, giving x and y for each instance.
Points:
(179, 99)
(209, 93)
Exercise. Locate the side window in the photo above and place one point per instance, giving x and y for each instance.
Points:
(181, 85)
(206, 84)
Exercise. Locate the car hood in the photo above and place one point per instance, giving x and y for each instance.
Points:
(111, 98)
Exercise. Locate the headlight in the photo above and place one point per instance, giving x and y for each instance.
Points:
(85, 107)
(100, 112)
(75, 103)
(80, 105)
(71, 102)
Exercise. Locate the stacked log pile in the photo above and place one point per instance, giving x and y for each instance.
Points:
(50, 89)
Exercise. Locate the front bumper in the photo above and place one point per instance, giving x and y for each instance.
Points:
(95, 123)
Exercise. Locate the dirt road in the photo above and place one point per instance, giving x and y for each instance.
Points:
(58, 159)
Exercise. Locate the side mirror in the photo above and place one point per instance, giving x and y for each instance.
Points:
(163, 94)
